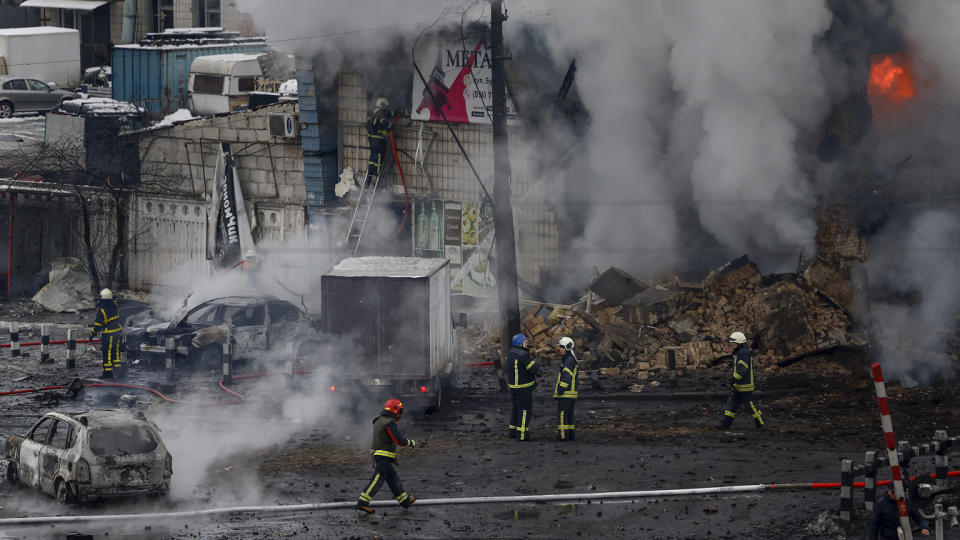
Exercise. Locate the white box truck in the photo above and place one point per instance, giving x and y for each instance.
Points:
(46, 53)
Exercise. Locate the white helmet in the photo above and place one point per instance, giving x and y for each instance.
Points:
(738, 337)
(106, 294)
(250, 254)
(382, 103)
(566, 343)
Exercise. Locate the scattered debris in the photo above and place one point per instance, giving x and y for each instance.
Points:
(637, 329)
(68, 290)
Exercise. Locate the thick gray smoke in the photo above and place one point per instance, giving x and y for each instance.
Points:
(704, 120)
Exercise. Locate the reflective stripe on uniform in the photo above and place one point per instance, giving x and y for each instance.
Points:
(731, 414)
(402, 497)
(523, 426)
(385, 453)
(365, 495)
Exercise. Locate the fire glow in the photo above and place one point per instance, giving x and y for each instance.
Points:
(891, 79)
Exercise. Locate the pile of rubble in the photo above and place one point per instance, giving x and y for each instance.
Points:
(635, 328)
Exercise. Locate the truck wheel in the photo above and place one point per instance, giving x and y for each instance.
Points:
(64, 493)
(6, 109)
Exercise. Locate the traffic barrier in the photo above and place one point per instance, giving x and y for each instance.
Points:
(890, 441)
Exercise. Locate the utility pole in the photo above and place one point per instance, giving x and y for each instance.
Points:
(507, 289)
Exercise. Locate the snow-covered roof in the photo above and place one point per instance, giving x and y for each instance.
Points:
(81, 5)
(396, 267)
(224, 64)
(33, 30)
(99, 105)
(194, 30)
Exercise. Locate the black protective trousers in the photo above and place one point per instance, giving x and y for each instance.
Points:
(733, 403)
(378, 149)
(110, 352)
(384, 470)
(566, 424)
(521, 414)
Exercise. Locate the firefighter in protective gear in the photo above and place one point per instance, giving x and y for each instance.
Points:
(386, 439)
(107, 324)
(521, 371)
(379, 123)
(565, 392)
(741, 383)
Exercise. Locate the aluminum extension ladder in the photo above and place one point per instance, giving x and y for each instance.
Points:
(365, 203)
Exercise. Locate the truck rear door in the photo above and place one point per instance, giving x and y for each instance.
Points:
(404, 329)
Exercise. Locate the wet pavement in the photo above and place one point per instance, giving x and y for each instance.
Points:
(294, 446)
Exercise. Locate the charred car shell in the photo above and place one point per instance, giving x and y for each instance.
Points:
(89, 456)
(258, 323)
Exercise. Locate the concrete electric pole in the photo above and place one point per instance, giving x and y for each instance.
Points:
(507, 289)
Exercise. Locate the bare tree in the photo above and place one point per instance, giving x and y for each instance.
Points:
(98, 165)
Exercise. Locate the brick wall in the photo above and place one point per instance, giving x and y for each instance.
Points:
(450, 176)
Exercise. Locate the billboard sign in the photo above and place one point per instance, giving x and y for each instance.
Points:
(459, 83)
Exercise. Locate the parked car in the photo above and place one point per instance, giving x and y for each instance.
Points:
(18, 94)
(259, 323)
(90, 455)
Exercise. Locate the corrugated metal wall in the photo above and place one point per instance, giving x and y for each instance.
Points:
(156, 78)
(447, 174)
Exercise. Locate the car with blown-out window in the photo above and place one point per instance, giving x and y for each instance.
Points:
(90, 455)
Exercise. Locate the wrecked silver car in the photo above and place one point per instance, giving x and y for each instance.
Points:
(90, 455)
(258, 323)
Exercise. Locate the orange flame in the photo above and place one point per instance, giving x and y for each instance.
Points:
(890, 78)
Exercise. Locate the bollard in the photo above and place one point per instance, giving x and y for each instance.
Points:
(291, 357)
(44, 344)
(71, 348)
(871, 463)
(14, 339)
(846, 491)
(228, 359)
(942, 461)
(170, 360)
(672, 367)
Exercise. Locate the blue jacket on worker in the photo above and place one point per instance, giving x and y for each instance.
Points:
(886, 519)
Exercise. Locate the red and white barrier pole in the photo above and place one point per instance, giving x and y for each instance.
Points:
(891, 442)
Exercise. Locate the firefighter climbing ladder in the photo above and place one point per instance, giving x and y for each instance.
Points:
(364, 203)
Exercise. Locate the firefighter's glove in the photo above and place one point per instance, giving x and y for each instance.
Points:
(412, 443)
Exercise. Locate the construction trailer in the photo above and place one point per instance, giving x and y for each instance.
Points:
(154, 74)
(394, 315)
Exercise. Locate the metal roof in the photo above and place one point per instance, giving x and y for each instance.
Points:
(80, 5)
(395, 267)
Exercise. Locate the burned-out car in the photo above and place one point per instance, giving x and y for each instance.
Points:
(90, 455)
(254, 324)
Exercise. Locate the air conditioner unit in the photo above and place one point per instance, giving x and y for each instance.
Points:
(283, 125)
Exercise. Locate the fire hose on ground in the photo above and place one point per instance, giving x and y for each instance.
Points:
(311, 507)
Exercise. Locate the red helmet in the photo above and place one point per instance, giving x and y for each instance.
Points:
(393, 405)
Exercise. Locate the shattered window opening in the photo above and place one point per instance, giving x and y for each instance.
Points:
(244, 315)
(121, 441)
(204, 315)
(283, 312)
(41, 430)
(59, 435)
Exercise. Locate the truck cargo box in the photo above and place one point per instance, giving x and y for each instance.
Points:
(398, 309)
(45, 53)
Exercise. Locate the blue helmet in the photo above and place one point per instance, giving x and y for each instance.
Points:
(518, 340)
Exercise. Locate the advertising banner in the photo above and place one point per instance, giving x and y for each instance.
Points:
(459, 82)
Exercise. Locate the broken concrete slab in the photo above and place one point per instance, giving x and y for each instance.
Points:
(68, 291)
(616, 285)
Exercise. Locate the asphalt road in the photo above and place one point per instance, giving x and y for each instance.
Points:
(284, 447)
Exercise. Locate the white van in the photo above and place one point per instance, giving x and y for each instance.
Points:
(220, 83)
